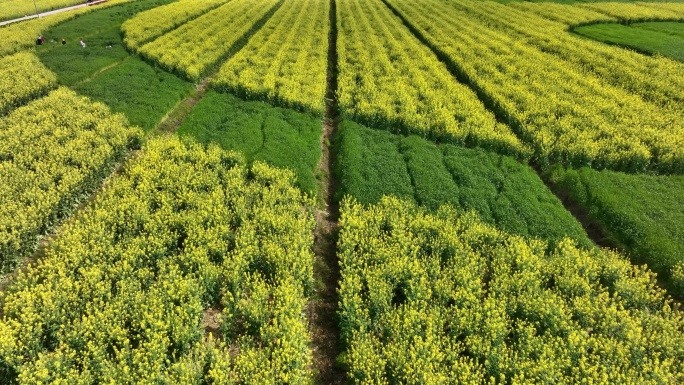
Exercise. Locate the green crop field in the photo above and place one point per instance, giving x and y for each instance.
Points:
(665, 39)
(342, 192)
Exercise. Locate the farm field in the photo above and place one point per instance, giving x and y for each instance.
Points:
(343, 192)
(652, 38)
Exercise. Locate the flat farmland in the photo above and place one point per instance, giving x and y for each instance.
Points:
(342, 192)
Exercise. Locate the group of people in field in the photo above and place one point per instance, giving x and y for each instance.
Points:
(41, 41)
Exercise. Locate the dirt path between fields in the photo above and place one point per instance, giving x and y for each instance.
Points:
(322, 311)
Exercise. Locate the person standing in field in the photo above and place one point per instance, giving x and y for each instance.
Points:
(63, 42)
(82, 43)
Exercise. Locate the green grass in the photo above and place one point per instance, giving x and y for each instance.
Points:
(510, 195)
(651, 38)
(142, 93)
(99, 29)
(278, 136)
(643, 214)
(357, 150)
(667, 27)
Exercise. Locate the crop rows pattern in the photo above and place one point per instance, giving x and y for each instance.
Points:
(194, 48)
(388, 79)
(151, 24)
(286, 61)
(657, 80)
(52, 151)
(120, 296)
(567, 115)
(440, 298)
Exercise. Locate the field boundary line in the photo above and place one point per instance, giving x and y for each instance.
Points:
(322, 308)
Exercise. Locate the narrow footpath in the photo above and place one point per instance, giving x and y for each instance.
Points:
(322, 312)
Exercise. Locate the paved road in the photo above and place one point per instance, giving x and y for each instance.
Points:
(3, 23)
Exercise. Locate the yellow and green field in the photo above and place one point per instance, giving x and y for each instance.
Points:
(342, 191)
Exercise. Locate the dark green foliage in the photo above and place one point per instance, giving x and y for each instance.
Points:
(503, 192)
(369, 165)
(666, 40)
(100, 29)
(432, 183)
(510, 195)
(144, 94)
(642, 213)
(280, 137)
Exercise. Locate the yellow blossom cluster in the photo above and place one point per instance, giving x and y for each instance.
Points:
(123, 292)
(149, 25)
(23, 78)
(53, 151)
(638, 11)
(436, 298)
(195, 47)
(286, 61)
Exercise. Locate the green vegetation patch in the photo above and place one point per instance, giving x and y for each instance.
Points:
(666, 39)
(280, 137)
(101, 33)
(510, 195)
(643, 213)
(436, 298)
(143, 93)
(368, 164)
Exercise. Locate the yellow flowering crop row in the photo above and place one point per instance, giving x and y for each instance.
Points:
(23, 78)
(443, 298)
(388, 79)
(149, 25)
(195, 47)
(20, 36)
(286, 61)
(656, 79)
(123, 293)
(567, 114)
(637, 11)
(563, 13)
(52, 152)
